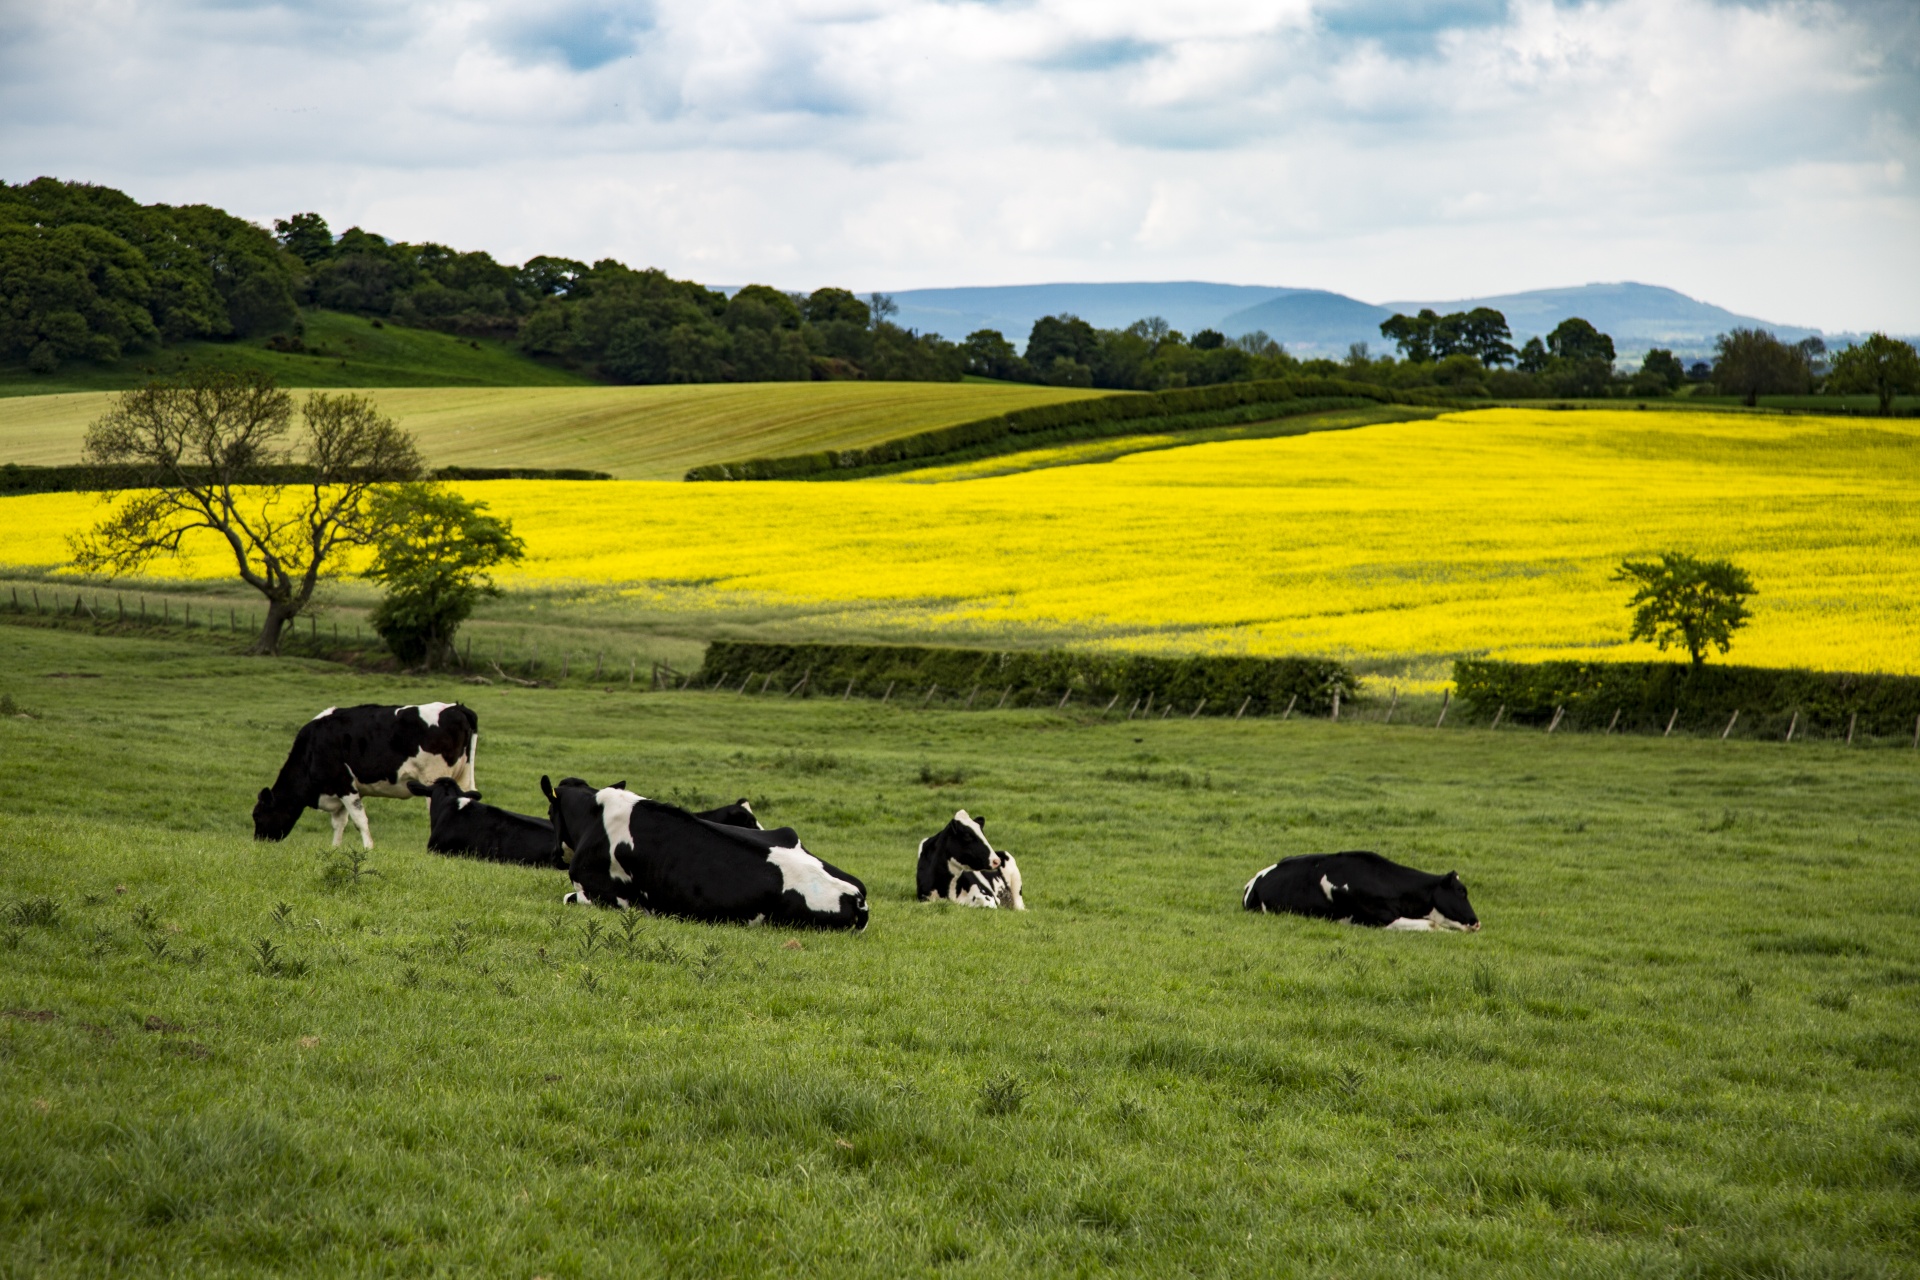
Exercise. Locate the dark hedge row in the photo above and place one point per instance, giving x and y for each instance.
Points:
(1189, 409)
(1215, 685)
(16, 479)
(1647, 694)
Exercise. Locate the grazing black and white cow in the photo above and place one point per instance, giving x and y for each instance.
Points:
(958, 863)
(457, 822)
(345, 753)
(1361, 888)
(632, 851)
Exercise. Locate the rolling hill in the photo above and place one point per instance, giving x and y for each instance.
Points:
(1317, 322)
(341, 351)
(637, 433)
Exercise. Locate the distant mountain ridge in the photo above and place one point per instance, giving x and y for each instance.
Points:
(1318, 322)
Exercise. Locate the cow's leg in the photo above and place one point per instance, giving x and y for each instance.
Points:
(332, 807)
(463, 769)
(357, 810)
(1411, 924)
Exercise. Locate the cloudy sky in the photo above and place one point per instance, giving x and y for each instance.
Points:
(1762, 155)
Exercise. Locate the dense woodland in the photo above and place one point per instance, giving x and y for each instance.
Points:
(87, 273)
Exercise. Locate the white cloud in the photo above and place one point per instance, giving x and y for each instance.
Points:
(1761, 155)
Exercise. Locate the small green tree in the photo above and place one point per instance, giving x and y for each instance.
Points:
(1687, 602)
(433, 554)
(1881, 365)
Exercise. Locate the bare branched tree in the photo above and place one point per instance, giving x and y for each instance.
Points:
(209, 453)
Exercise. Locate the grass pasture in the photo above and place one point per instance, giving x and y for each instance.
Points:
(637, 433)
(1684, 1044)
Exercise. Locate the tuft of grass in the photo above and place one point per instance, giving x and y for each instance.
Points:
(39, 911)
(932, 777)
(1002, 1096)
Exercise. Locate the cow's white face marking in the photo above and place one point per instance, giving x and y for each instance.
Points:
(1326, 886)
(961, 817)
(324, 714)
(578, 897)
(616, 815)
(806, 875)
(429, 711)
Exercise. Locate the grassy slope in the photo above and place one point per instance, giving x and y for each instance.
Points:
(638, 433)
(1684, 1044)
(357, 355)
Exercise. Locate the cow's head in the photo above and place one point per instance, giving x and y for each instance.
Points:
(571, 807)
(443, 797)
(964, 841)
(274, 819)
(1451, 905)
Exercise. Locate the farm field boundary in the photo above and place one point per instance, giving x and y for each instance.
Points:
(1653, 697)
(1162, 411)
(1198, 685)
(16, 479)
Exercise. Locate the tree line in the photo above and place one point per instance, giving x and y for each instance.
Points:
(88, 273)
(1469, 354)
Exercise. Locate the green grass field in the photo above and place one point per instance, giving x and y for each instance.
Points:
(346, 351)
(1684, 1045)
(637, 433)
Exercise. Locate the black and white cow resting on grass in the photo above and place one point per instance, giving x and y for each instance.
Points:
(458, 823)
(345, 753)
(1362, 888)
(737, 814)
(959, 864)
(632, 851)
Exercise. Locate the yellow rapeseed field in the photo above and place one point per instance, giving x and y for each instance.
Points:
(1485, 532)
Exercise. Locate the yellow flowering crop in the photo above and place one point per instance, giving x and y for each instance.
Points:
(1493, 531)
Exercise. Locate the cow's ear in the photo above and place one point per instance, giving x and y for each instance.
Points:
(413, 785)
(620, 785)
(471, 795)
(980, 821)
(546, 786)
(1453, 877)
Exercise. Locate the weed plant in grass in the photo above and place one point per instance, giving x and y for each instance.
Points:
(1683, 1045)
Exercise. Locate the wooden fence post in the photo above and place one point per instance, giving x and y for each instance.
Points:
(1111, 703)
(888, 693)
(633, 665)
(764, 684)
(1613, 722)
(1793, 724)
(971, 695)
(1063, 699)
(1496, 716)
(1392, 706)
(1244, 703)
(1852, 720)
(931, 690)
(804, 677)
(1731, 721)
(1135, 706)
(1555, 722)
(1336, 704)
(1195, 713)
(743, 684)
(1146, 712)
(1288, 713)
(1446, 701)
(566, 660)
(598, 654)
(849, 692)
(1670, 722)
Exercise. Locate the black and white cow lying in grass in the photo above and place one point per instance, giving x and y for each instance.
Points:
(632, 851)
(1361, 888)
(959, 864)
(458, 823)
(345, 753)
